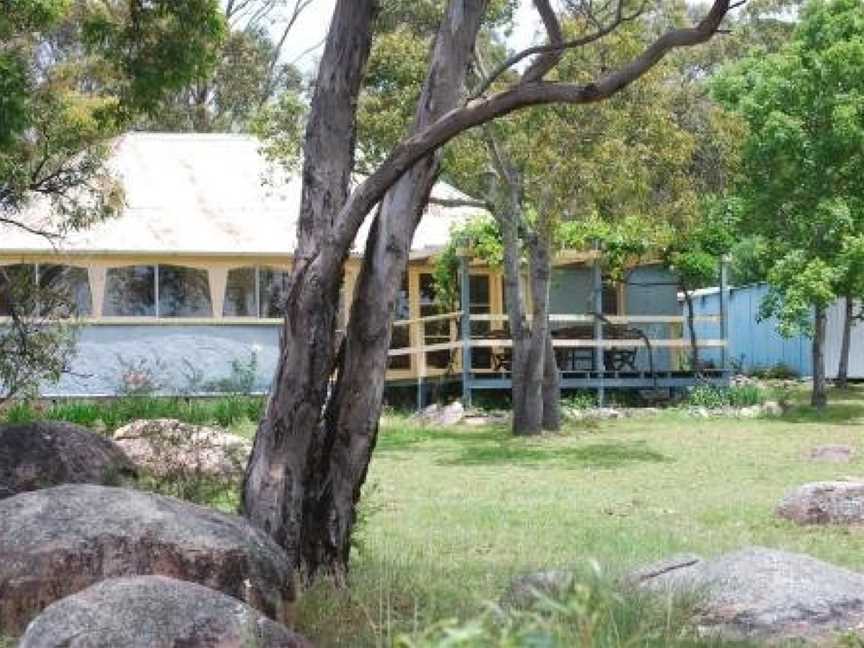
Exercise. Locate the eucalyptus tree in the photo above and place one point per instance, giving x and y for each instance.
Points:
(249, 74)
(72, 76)
(311, 451)
(803, 164)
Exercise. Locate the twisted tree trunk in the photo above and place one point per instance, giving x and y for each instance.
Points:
(288, 448)
(351, 417)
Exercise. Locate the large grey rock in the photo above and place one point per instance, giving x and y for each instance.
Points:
(766, 595)
(45, 454)
(155, 612)
(171, 448)
(830, 502)
(58, 541)
(445, 416)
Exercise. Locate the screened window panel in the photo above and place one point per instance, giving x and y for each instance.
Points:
(274, 287)
(17, 289)
(184, 292)
(240, 297)
(64, 291)
(130, 292)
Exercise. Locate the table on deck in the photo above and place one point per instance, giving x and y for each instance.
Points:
(570, 358)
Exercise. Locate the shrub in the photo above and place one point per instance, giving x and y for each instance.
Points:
(20, 412)
(712, 397)
(579, 400)
(79, 413)
(592, 613)
(778, 371)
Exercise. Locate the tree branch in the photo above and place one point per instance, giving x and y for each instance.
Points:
(477, 112)
(458, 202)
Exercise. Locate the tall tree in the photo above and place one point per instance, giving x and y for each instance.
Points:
(73, 75)
(304, 476)
(803, 163)
(249, 71)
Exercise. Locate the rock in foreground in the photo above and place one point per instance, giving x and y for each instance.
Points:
(170, 448)
(45, 454)
(837, 502)
(59, 541)
(155, 612)
(766, 595)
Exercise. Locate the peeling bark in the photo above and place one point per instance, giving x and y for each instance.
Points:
(287, 446)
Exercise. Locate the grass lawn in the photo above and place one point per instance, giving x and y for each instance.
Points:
(450, 515)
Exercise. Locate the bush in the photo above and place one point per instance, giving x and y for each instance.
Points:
(712, 397)
(778, 371)
(592, 613)
(579, 400)
(20, 412)
(118, 412)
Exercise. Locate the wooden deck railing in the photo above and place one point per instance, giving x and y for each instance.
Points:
(418, 349)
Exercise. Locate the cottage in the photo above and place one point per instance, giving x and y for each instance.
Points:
(182, 291)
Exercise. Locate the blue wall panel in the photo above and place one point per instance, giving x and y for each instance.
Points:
(753, 344)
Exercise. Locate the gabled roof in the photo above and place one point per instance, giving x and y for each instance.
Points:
(208, 194)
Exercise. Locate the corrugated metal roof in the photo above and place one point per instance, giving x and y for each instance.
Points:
(208, 194)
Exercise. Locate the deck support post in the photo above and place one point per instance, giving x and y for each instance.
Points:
(724, 314)
(465, 307)
(599, 361)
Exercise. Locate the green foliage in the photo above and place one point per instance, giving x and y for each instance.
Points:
(279, 126)
(154, 47)
(580, 400)
(114, 413)
(719, 397)
(591, 612)
(802, 183)
(778, 371)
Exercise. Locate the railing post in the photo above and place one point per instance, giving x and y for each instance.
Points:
(724, 313)
(465, 307)
(599, 360)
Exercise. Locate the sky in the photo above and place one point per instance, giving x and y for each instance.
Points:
(311, 29)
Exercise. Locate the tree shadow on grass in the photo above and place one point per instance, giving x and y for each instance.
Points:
(596, 455)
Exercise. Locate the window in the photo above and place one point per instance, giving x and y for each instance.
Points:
(240, 295)
(64, 291)
(184, 292)
(130, 292)
(401, 337)
(17, 289)
(274, 286)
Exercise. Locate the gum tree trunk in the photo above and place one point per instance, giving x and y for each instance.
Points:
(351, 417)
(820, 390)
(848, 322)
(287, 447)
